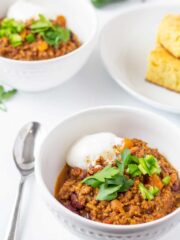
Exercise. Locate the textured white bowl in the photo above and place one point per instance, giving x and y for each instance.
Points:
(125, 43)
(125, 122)
(46, 74)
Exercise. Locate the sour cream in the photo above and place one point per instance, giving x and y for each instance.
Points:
(24, 10)
(87, 150)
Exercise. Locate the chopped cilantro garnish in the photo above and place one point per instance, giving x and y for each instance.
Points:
(41, 25)
(148, 194)
(149, 165)
(15, 40)
(125, 156)
(133, 170)
(107, 173)
(5, 96)
(111, 180)
(12, 25)
(166, 180)
(53, 35)
(30, 38)
(56, 35)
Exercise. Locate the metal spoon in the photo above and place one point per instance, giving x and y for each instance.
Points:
(24, 156)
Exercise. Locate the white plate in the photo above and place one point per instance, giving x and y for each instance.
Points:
(126, 41)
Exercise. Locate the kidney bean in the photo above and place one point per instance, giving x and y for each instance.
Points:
(75, 203)
(176, 187)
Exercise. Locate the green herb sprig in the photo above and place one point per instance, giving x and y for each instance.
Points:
(101, 3)
(53, 35)
(111, 180)
(5, 96)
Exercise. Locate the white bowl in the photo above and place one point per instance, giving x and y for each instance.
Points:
(125, 122)
(125, 43)
(45, 74)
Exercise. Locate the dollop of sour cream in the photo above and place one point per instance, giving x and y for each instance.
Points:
(86, 151)
(24, 10)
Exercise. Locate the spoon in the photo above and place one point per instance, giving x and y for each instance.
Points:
(24, 157)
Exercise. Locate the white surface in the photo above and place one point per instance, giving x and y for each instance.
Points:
(91, 87)
(122, 121)
(86, 150)
(126, 58)
(45, 74)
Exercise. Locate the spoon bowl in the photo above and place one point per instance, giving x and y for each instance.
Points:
(24, 148)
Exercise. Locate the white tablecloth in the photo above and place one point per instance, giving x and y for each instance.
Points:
(92, 86)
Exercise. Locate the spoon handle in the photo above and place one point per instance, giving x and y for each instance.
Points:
(13, 224)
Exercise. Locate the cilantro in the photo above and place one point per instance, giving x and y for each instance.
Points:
(41, 25)
(11, 25)
(4, 96)
(100, 177)
(148, 194)
(111, 180)
(125, 156)
(30, 38)
(15, 40)
(56, 35)
(11, 29)
(53, 35)
(133, 170)
(149, 165)
(166, 180)
(107, 192)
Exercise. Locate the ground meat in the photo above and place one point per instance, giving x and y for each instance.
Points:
(38, 50)
(129, 207)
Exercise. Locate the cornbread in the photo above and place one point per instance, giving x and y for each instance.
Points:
(169, 34)
(163, 69)
(129, 207)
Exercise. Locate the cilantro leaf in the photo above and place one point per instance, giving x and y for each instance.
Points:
(128, 183)
(166, 180)
(4, 96)
(116, 180)
(92, 182)
(15, 39)
(148, 194)
(40, 25)
(149, 165)
(56, 35)
(100, 176)
(125, 156)
(133, 170)
(107, 193)
(30, 38)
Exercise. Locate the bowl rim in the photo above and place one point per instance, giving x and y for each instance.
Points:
(45, 192)
(61, 58)
(132, 91)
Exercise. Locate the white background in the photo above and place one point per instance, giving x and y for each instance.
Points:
(92, 86)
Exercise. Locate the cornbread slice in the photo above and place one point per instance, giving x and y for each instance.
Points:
(163, 69)
(169, 34)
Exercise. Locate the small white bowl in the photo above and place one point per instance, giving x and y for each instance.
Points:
(45, 74)
(126, 42)
(125, 122)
